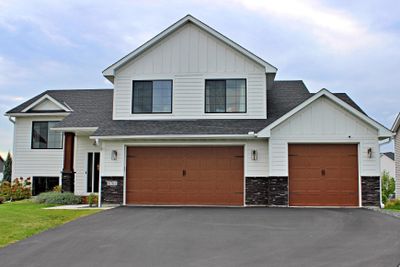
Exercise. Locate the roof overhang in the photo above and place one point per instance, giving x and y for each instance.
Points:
(77, 130)
(110, 71)
(396, 123)
(178, 136)
(20, 114)
(383, 132)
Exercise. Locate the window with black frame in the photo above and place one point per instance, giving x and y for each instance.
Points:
(225, 96)
(45, 138)
(152, 96)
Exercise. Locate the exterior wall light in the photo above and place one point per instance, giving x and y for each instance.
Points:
(254, 154)
(114, 155)
(369, 152)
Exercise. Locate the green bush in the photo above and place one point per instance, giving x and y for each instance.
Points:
(92, 200)
(65, 198)
(5, 190)
(21, 189)
(393, 204)
(388, 186)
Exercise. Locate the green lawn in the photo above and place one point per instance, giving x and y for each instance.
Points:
(21, 219)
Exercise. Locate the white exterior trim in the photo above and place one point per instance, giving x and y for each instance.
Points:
(110, 71)
(396, 123)
(34, 114)
(55, 102)
(221, 136)
(382, 130)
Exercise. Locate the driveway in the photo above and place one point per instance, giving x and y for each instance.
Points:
(138, 236)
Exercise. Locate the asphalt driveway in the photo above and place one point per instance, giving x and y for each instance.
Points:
(135, 236)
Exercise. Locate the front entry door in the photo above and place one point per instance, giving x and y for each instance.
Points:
(93, 172)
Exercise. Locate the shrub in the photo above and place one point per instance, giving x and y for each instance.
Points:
(5, 190)
(388, 186)
(92, 200)
(20, 189)
(65, 198)
(393, 204)
(57, 188)
(2, 199)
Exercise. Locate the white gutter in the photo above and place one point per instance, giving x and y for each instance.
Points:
(38, 114)
(10, 119)
(220, 136)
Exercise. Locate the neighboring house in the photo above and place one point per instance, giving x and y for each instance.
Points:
(1, 168)
(195, 119)
(396, 130)
(387, 163)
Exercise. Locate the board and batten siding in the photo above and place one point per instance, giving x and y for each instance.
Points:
(28, 162)
(255, 168)
(323, 121)
(189, 56)
(83, 145)
(397, 161)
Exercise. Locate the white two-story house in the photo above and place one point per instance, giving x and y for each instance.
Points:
(195, 119)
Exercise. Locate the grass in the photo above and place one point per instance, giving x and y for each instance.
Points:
(21, 219)
(393, 205)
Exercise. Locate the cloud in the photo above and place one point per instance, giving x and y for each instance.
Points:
(332, 27)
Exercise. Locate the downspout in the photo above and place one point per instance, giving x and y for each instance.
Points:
(381, 143)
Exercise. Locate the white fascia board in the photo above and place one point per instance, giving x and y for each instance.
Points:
(74, 129)
(382, 130)
(220, 136)
(37, 114)
(396, 123)
(110, 71)
(61, 106)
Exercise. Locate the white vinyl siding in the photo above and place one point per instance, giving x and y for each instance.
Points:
(28, 162)
(257, 167)
(324, 122)
(189, 56)
(83, 145)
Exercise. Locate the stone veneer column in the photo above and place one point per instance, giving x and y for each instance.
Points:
(370, 191)
(278, 191)
(112, 190)
(267, 191)
(256, 191)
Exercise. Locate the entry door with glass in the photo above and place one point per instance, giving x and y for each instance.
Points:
(93, 172)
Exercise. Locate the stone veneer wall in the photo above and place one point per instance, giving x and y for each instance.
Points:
(370, 190)
(267, 191)
(112, 190)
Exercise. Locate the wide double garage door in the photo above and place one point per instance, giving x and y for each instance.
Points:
(323, 175)
(185, 175)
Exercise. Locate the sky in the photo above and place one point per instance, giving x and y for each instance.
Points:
(344, 46)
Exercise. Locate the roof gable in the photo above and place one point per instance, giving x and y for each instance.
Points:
(383, 132)
(396, 123)
(110, 71)
(46, 103)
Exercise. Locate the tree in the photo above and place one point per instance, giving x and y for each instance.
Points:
(388, 186)
(7, 168)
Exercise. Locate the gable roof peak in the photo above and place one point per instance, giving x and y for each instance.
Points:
(109, 72)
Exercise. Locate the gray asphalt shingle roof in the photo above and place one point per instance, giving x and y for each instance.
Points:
(389, 155)
(93, 108)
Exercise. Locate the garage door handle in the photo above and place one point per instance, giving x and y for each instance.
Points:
(323, 172)
(183, 172)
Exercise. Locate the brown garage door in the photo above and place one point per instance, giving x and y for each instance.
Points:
(184, 175)
(323, 175)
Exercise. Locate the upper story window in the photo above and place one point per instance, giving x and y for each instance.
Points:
(152, 96)
(226, 96)
(43, 137)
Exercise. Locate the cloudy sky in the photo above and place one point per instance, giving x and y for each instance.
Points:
(345, 46)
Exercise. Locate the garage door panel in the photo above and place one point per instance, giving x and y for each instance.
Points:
(323, 175)
(187, 175)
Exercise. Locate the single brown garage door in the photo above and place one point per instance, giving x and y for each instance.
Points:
(184, 175)
(323, 175)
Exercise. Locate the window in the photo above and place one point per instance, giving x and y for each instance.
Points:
(152, 96)
(43, 137)
(226, 96)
